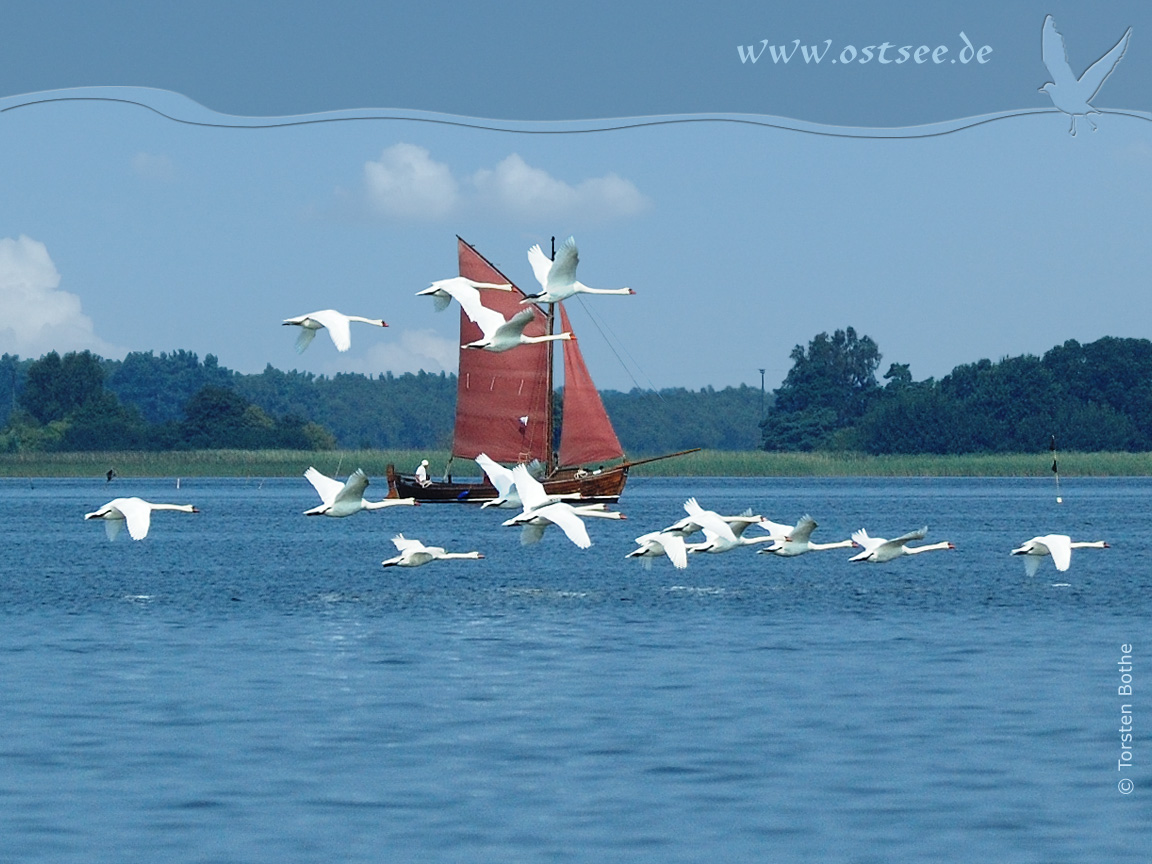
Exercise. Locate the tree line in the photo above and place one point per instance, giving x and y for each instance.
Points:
(1094, 397)
(177, 401)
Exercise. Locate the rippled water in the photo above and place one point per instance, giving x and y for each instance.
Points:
(247, 684)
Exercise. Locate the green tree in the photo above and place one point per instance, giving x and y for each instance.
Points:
(56, 387)
(829, 387)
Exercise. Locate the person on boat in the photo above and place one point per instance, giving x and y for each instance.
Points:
(422, 474)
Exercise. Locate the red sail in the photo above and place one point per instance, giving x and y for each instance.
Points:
(501, 399)
(587, 435)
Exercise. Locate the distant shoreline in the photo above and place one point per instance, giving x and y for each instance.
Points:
(708, 463)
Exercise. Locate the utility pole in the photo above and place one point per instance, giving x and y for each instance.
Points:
(761, 395)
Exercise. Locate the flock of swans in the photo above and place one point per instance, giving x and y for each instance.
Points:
(517, 489)
(557, 278)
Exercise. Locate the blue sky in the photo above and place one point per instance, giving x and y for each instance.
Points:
(126, 230)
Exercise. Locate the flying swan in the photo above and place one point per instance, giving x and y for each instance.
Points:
(344, 499)
(877, 550)
(135, 512)
(413, 553)
(336, 324)
(1059, 546)
(797, 542)
(558, 277)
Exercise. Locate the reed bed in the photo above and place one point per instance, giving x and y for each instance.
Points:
(707, 463)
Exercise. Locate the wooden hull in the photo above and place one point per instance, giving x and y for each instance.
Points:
(604, 486)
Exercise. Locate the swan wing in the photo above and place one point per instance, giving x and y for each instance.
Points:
(304, 339)
(488, 320)
(531, 490)
(909, 537)
(1032, 564)
(541, 265)
(532, 533)
(514, 326)
(709, 520)
(563, 270)
(112, 527)
(563, 516)
(353, 488)
(1060, 548)
(403, 544)
(803, 529)
(777, 529)
(676, 550)
(325, 487)
(137, 516)
(337, 326)
(498, 475)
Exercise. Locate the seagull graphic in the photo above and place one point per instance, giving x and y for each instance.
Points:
(1070, 94)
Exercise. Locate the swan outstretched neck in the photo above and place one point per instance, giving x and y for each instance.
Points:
(797, 542)
(877, 550)
(1058, 546)
(135, 512)
(335, 322)
(344, 499)
(557, 277)
(413, 553)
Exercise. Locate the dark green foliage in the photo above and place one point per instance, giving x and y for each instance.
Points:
(65, 406)
(161, 386)
(828, 388)
(55, 388)
(1092, 397)
(651, 423)
(410, 411)
(836, 372)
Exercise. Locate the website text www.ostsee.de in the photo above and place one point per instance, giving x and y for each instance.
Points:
(884, 54)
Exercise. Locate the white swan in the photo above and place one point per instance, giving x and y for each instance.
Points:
(499, 334)
(441, 293)
(541, 510)
(136, 512)
(659, 543)
(722, 533)
(344, 499)
(877, 550)
(688, 526)
(501, 478)
(336, 324)
(1059, 546)
(508, 498)
(413, 553)
(797, 542)
(558, 277)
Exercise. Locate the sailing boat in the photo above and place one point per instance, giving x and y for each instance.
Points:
(504, 408)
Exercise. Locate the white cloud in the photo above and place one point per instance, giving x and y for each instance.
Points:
(527, 192)
(412, 351)
(38, 317)
(407, 183)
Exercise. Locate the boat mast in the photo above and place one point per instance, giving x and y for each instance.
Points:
(550, 463)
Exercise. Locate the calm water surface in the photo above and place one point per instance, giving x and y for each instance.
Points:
(250, 685)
